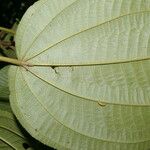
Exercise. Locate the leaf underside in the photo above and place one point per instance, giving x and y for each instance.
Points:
(85, 54)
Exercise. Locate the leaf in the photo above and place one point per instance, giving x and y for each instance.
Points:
(7, 38)
(83, 55)
(4, 90)
(11, 137)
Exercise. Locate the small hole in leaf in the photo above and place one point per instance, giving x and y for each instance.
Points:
(25, 145)
(53, 67)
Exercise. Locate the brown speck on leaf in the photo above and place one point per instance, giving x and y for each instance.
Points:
(102, 104)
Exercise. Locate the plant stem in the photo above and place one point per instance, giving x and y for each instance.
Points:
(7, 30)
(12, 61)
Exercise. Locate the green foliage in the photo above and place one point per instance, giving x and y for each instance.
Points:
(4, 90)
(86, 82)
(11, 136)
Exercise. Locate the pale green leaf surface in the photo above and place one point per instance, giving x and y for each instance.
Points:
(92, 33)
(82, 17)
(23, 25)
(62, 120)
(11, 137)
(85, 53)
(45, 10)
(111, 41)
(4, 90)
(119, 84)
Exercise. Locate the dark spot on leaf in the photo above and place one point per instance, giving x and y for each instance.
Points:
(25, 145)
(53, 67)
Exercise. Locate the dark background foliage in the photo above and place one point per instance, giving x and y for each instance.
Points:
(11, 11)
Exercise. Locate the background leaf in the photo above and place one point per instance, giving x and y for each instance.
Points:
(11, 137)
(4, 90)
